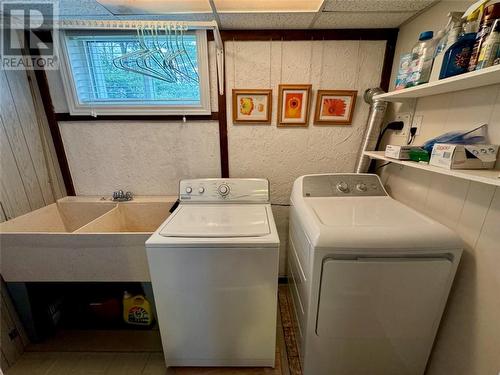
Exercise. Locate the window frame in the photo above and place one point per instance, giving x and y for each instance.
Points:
(96, 109)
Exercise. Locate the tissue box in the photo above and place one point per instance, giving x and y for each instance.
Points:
(464, 156)
(398, 152)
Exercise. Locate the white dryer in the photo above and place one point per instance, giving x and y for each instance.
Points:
(214, 270)
(369, 277)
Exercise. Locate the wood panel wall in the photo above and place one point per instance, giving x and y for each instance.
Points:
(29, 171)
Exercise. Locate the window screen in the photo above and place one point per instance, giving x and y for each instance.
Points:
(103, 72)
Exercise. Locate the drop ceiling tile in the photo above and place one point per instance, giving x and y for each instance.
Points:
(251, 21)
(334, 20)
(376, 5)
(68, 8)
(123, 7)
(267, 6)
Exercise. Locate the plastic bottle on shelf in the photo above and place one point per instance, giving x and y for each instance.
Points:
(490, 48)
(441, 41)
(490, 15)
(452, 31)
(457, 56)
(421, 61)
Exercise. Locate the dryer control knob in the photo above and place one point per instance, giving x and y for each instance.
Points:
(201, 190)
(223, 190)
(361, 187)
(189, 190)
(342, 187)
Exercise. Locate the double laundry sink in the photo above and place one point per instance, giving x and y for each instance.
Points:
(82, 239)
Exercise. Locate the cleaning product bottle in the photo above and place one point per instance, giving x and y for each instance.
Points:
(490, 15)
(457, 56)
(136, 310)
(452, 30)
(490, 47)
(421, 62)
(440, 44)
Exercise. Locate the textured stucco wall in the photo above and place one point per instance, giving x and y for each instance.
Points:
(283, 154)
(147, 158)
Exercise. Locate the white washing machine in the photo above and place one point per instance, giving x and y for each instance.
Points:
(369, 277)
(214, 270)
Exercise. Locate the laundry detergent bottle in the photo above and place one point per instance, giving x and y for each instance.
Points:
(457, 57)
(136, 310)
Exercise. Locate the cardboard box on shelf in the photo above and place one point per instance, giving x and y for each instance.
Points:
(480, 156)
(398, 152)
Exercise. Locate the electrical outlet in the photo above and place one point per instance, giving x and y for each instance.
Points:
(417, 123)
(405, 117)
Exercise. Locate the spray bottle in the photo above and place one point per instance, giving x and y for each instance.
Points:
(451, 32)
(457, 56)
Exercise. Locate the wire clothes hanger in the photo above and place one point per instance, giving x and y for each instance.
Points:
(167, 60)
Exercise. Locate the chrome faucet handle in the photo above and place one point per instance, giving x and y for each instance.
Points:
(120, 196)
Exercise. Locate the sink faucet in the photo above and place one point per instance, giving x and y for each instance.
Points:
(120, 196)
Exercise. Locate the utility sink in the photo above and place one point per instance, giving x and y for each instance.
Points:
(82, 239)
(62, 217)
(138, 217)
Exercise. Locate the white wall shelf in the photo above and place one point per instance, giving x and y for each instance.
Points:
(488, 176)
(484, 77)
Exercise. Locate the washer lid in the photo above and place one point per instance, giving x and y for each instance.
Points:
(243, 220)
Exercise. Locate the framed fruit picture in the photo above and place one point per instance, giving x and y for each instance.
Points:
(293, 105)
(252, 106)
(334, 107)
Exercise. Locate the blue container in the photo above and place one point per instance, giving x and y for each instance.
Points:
(456, 58)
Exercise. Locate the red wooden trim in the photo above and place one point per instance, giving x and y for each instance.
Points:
(310, 34)
(390, 49)
(223, 145)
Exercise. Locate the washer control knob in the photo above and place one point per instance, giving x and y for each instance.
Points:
(189, 190)
(361, 187)
(223, 190)
(342, 187)
(201, 190)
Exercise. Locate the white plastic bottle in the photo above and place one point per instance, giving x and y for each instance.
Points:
(490, 47)
(440, 41)
(422, 57)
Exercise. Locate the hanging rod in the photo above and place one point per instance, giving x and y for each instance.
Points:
(73, 24)
(69, 24)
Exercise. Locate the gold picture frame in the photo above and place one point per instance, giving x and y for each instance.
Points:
(294, 105)
(252, 106)
(335, 107)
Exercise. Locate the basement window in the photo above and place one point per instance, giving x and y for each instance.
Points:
(111, 73)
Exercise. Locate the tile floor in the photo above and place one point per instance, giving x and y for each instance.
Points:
(151, 363)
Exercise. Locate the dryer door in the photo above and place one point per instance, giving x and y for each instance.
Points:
(380, 315)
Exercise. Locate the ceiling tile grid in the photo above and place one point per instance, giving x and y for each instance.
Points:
(335, 14)
(334, 20)
(255, 21)
(376, 5)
